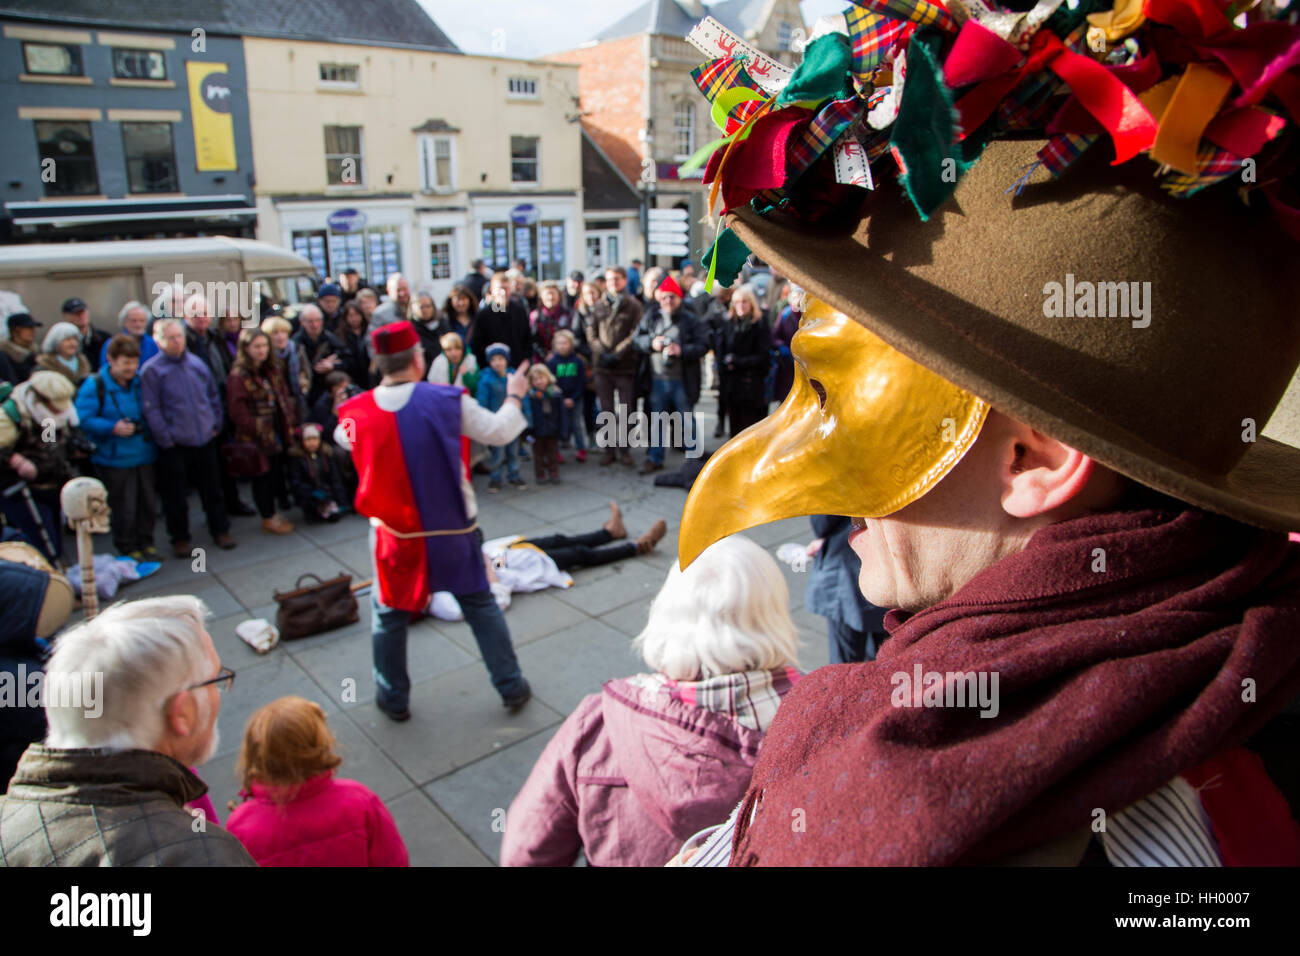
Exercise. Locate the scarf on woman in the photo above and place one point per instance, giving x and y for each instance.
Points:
(1121, 649)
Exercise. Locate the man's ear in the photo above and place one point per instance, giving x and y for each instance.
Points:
(1039, 474)
(182, 714)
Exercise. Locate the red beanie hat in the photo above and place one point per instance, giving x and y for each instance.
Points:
(670, 285)
(393, 338)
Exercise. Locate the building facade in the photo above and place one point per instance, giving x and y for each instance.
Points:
(386, 159)
(120, 132)
(643, 110)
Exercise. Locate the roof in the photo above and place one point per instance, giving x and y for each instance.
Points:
(603, 185)
(656, 16)
(397, 22)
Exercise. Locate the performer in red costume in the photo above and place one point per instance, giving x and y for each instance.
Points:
(407, 442)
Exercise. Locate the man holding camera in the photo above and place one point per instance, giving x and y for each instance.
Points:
(613, 349)
(111, 412)
(673, 339)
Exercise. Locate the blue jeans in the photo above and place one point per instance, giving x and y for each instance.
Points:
(510, 453)
(388, 643)
(574, 422)
(665, 394)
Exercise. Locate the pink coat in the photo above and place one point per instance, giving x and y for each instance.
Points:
(628, 777)
(331, 822)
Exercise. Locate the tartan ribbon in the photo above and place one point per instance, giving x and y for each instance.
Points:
(826, 127)
(1212, 165)
(725, 73)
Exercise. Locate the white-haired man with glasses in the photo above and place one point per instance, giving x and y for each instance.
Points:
(131, 699)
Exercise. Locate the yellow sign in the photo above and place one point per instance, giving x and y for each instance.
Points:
(214, 129)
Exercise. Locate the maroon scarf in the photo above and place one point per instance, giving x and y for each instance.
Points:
(1110, 684)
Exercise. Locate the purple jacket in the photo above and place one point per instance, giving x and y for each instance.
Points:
(628, 778)
(181, 401)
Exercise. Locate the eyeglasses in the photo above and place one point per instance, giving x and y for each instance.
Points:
(224, 681)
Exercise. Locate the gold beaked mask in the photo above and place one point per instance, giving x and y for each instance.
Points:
(863, 432)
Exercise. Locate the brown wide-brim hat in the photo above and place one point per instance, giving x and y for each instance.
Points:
(1171, 404)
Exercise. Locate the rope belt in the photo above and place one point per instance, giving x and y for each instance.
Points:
(405, 535)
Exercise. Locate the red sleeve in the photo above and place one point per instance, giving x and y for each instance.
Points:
(386, 846)
(237, 404)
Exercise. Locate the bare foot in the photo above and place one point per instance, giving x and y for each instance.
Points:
(646, 543)
(615, 523)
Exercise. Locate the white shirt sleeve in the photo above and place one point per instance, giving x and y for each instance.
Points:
(491, 428)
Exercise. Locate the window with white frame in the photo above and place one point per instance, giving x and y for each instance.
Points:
(343, 163)
(523, 159)
(683, 129)
(437, 163)
(440, 253)
(340, 74)
(784, 35)
(522, 86)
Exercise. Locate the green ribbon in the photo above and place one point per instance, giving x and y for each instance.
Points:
(926, 130)
(725, 259)
(823, 74)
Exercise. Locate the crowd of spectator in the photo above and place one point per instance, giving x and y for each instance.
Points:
(180, 399)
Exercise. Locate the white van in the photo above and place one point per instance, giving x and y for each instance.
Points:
(107, 275)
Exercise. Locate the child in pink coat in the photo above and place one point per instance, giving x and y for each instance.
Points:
(297, 813)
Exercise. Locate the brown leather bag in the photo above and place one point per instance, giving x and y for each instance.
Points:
(316, 608)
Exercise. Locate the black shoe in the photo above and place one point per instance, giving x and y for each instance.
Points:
(397, 715)
(515, 704)
(240, 510)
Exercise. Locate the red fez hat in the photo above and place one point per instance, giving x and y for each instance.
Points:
(670, 285)
(393, 338)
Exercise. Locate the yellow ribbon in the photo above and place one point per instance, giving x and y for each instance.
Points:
(1121, 21)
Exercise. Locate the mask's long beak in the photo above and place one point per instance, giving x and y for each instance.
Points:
(863, 432)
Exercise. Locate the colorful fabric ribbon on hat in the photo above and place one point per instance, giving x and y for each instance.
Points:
(1174, 79)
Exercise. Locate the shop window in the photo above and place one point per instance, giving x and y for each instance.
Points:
(150, 158)
(550, 250)
(139, 64)
(67, 158)
(52, 59)
(495, 250)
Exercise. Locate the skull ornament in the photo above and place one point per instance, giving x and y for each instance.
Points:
(86, 500)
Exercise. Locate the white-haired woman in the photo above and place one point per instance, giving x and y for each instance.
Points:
(642, 766)
(746, 357)
(134, 321)
(61, 352)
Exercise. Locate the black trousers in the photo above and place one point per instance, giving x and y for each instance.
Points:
(177, 469)
(131, 501)
(583, 550)
(266, 488)
(745, 413)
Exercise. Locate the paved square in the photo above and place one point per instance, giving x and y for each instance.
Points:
(461, 757)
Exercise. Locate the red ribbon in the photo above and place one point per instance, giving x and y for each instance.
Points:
(1193, 18)
(1116, 107)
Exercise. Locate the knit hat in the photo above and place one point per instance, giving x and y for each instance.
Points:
(498, 348)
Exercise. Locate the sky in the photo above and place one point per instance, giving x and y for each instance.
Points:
(532, 28)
